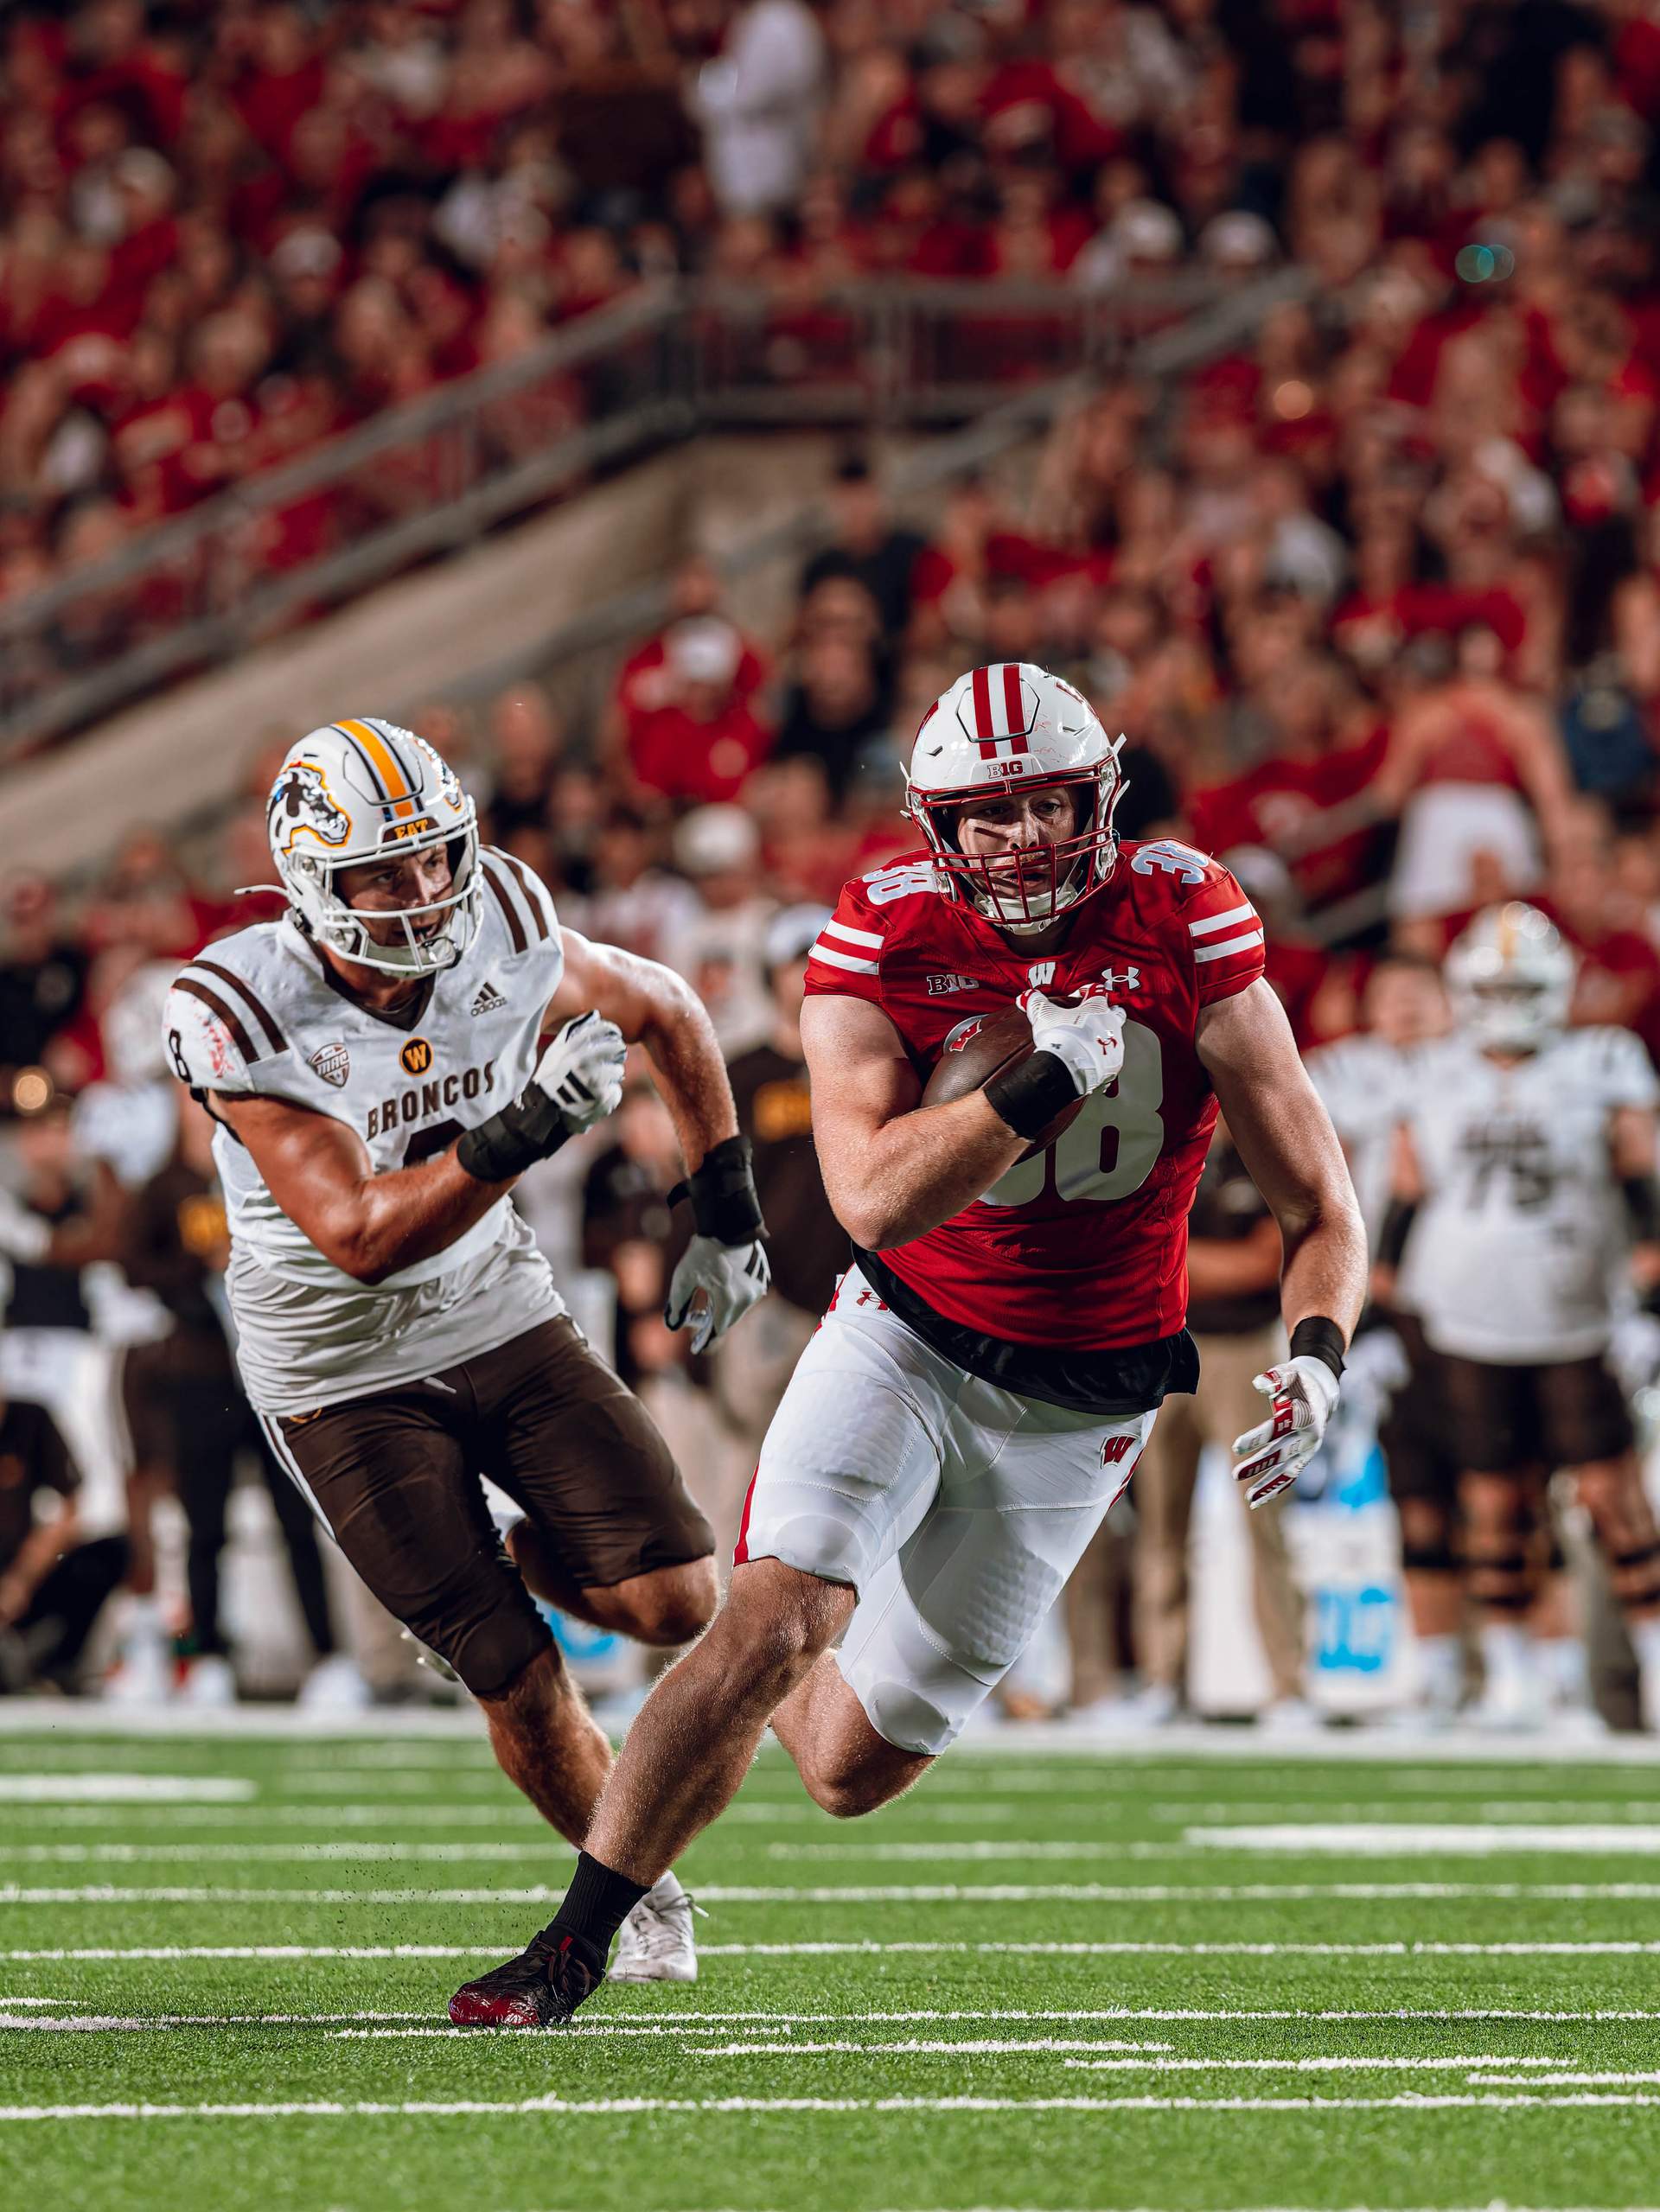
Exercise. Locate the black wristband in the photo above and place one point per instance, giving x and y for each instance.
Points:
(1642, 1196)
(1316, 1338)
(722, 1191)
(528, 1129)
(1030, 1096)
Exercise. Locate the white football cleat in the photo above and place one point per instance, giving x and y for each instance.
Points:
(334, 1685)
(656, 1941)
(1291, 1717)
(209, 1683)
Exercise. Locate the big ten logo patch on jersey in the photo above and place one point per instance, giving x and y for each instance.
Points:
(332, 1063)
(1175, 860)
(939, 984)
(444, 1092)
(415, 1057)
(782, 1110)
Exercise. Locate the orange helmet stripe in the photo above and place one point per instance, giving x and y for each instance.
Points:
(384, 762)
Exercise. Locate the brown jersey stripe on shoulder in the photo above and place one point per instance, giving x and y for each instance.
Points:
(278, 1042)
(217, 1007)
(528, 884)
(504, 899)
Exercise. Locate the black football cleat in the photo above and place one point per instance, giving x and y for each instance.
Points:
(541, 1988)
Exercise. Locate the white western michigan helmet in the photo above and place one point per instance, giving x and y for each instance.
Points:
(1013, 729)
(359, 791)
(1510, 978)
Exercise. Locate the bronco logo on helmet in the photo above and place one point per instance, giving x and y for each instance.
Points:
(307, 806)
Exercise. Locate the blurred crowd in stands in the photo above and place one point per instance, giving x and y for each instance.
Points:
(1375, 596)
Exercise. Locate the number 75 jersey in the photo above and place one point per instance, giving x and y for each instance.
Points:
(1083, 1247)
(1519, 1250)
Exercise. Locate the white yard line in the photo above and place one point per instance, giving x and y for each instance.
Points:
(325, 1817)
(123, 1790)
(920, 1948)
(534, 2107)
(1418, 1808)
(1161, 2063)
(1404, 1840)
(1067, 1745)
(1107, 1893)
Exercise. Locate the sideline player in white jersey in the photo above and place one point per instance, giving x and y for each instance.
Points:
(989, 1368)
(1525, 1169)
(1369, 1083)
(379, 1065)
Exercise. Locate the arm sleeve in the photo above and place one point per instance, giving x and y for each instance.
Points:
(847, 955)
(1224, 936)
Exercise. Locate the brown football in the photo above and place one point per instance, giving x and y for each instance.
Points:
(975, 1050)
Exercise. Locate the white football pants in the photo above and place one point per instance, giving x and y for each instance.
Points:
(955, 1509)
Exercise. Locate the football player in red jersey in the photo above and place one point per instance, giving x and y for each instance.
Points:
(990, 1367)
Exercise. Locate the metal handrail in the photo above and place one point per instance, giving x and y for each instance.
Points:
(699, 365)
(339, 458)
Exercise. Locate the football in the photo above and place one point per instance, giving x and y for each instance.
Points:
(975, 1050)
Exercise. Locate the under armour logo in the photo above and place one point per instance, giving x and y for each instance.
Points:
(1127, 979)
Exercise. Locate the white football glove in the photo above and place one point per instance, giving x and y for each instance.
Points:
(1088, 1039)
(722, 1280)
(1272, 1455)
(581, 1070)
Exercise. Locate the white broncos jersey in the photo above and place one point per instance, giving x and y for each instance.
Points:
(1365, 1086)
(257, 1015)
(1518, 1255)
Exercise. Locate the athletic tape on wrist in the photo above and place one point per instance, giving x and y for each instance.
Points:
(1316, 1338)
(722, 1190)
(527, 1129)
(1030, 1096)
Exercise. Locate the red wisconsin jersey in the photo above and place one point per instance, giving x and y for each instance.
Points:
(1083, 1247)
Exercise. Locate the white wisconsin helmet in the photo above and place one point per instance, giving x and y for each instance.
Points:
(354, 792)
(1014, 728)
(1510, 978)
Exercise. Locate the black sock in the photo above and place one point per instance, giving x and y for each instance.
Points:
(595, 1906)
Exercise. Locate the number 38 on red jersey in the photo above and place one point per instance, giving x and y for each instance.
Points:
(1084, 1245)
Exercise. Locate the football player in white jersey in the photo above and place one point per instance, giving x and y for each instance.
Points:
(1369, 1083)
(1525, 1171)
(384, 1062)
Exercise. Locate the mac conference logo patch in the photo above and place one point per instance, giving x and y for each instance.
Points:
(334, 1063)
(416, 1056)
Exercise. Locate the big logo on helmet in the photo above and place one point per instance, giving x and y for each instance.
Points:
(300, 799)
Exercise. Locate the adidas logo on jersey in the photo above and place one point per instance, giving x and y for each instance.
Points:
(488, 1000)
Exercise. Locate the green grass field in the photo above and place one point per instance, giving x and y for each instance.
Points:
(1049, 1978)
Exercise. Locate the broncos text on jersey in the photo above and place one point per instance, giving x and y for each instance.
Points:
(261, 1015)
(1085, 1245)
